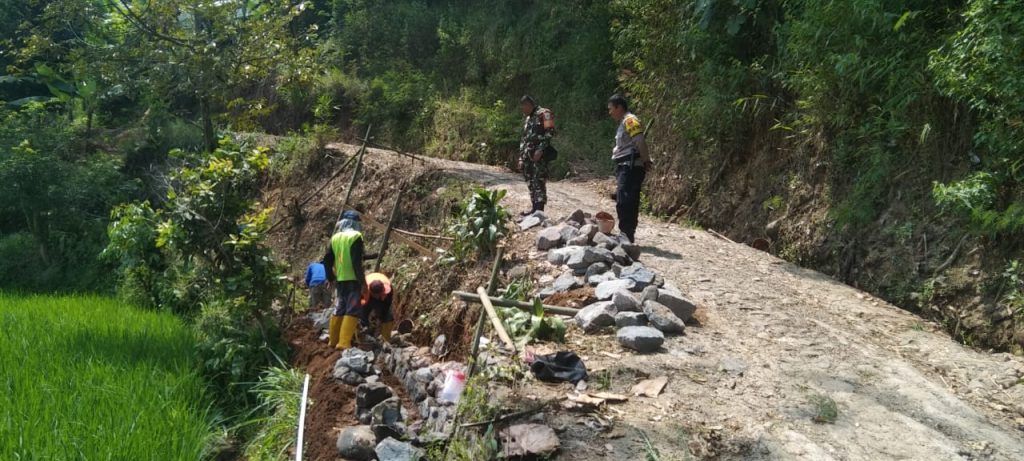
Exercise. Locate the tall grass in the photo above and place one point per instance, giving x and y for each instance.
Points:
(86, 377)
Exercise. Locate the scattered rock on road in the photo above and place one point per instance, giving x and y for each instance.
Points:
(640, 339)
(682, 307)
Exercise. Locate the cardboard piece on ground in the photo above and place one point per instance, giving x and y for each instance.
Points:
(529, 440)
(650, 387)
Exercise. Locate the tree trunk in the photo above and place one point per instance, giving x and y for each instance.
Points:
(209, 139)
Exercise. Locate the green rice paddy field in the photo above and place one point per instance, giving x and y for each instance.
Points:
(89, 378)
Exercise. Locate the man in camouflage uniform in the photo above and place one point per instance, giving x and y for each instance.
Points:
(632, 161)
(538, 130)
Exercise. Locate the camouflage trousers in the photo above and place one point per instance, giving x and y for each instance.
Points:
(536, 175)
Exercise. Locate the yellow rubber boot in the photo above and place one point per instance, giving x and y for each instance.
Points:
(333, 330)
(385, 330)
(349, 325)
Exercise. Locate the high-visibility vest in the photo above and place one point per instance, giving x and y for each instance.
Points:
(341, 244)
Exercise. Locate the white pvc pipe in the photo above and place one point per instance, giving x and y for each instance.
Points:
(302, 418)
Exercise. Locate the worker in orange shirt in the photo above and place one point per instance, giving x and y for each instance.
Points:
(379, 299)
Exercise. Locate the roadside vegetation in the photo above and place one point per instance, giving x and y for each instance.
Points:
(87, 377)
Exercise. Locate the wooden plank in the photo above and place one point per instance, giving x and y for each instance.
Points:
(495, 320)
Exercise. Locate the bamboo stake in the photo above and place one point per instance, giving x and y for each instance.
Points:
(426, 236)
(387, 232)
(495, 320)
(491, 286)
(355, 174)
(557, 310)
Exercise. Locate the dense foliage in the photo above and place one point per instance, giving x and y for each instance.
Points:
(202, 255)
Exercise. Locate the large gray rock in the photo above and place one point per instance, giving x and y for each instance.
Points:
(631, 249)
(565, 282)
(625, 301)
(386, 419)
(357, 360)
(649, 294)
(640, 339)
(579, 240)
(368, 395)
(560, 256)
(596, 316)
(630, 319)
(347, 376)
(390, 449)
(549, 238)
(578, 217)
(602, 240)
(321, 319)
(597, 279)
(682, 307)
(357, 443)
(595, 269)
(621, 257)
(662, 318)
(582, 259)
(530, 222)
(589, 230)
(639, 274)
(605, 290)
(568, 232)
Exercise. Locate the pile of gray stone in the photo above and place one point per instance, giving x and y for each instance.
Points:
(356, 367)
(384, 433)
(631, 297)
(382, 428)
(423, 379)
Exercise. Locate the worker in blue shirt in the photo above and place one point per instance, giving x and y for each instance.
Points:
(316, 281)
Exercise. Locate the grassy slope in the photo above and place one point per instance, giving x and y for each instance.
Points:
(90, 378)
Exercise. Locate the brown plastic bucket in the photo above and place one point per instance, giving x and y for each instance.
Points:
(605, 222)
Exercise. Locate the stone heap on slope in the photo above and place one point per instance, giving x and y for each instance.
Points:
(630, 296)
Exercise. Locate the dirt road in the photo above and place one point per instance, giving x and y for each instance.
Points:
(774, 335)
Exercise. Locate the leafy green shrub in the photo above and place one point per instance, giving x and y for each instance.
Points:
(481, 225)
(525, 327)
(463, 130)
(203, 256)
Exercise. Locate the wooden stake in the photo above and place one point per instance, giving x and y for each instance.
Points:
(355, 174)
(557, 310)
(495, 320)
(387, 232)
(425, 236)
(491, 286)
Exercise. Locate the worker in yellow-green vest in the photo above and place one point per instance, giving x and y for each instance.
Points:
(344, 263)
